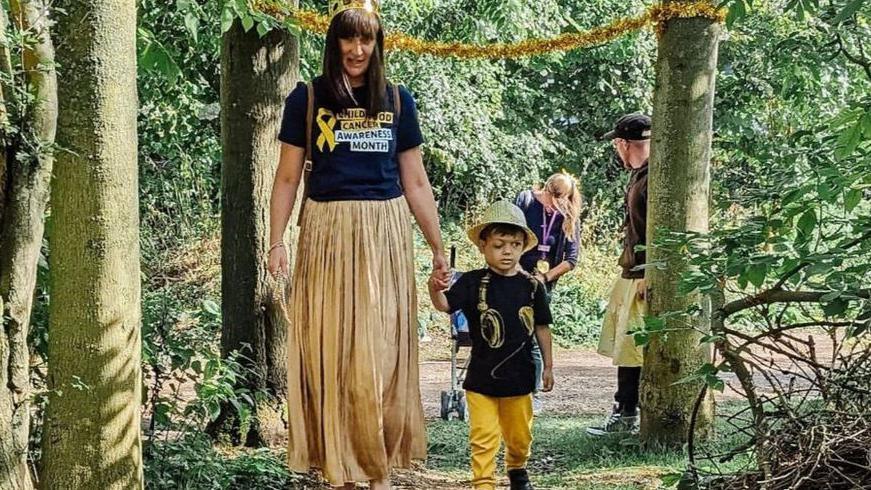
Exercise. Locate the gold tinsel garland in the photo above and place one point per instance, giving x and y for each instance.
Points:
(655, 15)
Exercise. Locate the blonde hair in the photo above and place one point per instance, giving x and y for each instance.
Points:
(566, 195)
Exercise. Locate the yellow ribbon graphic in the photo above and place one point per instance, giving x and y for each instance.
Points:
(326, 126)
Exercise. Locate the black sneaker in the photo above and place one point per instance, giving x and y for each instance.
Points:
(617, 423)
(519, 479)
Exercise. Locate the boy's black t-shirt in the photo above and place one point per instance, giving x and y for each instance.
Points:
(507, 370)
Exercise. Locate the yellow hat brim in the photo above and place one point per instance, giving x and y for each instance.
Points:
(474, 233)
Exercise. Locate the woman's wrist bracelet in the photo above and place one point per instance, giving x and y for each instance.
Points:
(275, 245)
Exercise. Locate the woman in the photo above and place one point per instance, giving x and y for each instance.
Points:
(552, 211)
(353, 394)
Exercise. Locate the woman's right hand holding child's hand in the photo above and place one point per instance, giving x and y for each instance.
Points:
(439, 280)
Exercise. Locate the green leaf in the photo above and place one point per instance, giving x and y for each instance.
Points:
(827, 191)
(214, 409)
(707, 369)
(247, 22)
(241, 7)
(737, 11)
(654, 323)
(716, 383)
(154, 56)
(211, 308)
(835, 308)
(710, 338)
(641, 338)
(227, 18)
(807, 223)
(852, 199)
(849, 140)
(831, 296)
(756, 274)
(670, 479)
(263, 28)
(161, 414)
(192, 24)
(848, 11)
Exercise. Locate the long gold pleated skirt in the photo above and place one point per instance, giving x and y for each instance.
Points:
(354, 404)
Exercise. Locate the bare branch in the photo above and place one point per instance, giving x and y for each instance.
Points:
(858, 60)
(771, 296)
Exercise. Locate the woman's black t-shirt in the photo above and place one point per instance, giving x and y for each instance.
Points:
(507, 370)
(354, 154)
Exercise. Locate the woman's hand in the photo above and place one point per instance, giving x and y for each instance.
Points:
(641, 290)
(441, 271)
(278, 261)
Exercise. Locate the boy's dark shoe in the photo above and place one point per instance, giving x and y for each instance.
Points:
(519, 479)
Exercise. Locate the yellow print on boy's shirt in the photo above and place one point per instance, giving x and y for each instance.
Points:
(363, 134)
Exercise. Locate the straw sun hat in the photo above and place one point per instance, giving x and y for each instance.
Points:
(503, 212)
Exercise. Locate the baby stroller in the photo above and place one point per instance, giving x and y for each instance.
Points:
(453, 402)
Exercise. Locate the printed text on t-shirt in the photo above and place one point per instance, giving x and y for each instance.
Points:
(364, 134)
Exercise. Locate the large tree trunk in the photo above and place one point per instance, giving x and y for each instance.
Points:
(21, 230)
(678, 201)
(256, 76)
(92, 434)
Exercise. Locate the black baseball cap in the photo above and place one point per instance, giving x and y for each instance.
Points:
(635, 126)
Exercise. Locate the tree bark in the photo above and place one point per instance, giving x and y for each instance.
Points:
(91, 435)
(27, 179)
(678, 201)
(256, 76)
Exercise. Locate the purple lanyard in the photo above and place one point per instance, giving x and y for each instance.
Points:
(546, 229)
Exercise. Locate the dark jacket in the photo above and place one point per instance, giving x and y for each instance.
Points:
(635, 224)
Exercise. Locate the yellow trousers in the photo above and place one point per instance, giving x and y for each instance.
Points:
(492, 419)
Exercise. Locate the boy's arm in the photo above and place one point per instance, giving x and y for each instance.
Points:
(542, 334)
(437, 296)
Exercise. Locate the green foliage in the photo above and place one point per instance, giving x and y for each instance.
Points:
(792, 160)
(179, 131)
(193, 463)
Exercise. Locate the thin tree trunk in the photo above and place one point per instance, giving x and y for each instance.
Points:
(256, 76)
(13, 454)
(91, 437)
(21, 232)
(678, 201)
(5, 103)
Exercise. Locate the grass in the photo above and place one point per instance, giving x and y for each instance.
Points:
(563, 456)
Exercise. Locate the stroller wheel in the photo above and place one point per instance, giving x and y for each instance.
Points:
(462, 409)
(446, 405)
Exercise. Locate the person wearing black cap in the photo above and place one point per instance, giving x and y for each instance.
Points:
(627, 304)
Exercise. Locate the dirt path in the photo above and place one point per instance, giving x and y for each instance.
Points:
(584, 381)
(584, 384)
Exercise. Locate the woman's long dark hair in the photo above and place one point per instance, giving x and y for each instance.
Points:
(348, 25)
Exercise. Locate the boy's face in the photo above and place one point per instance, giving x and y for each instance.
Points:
(502, 251)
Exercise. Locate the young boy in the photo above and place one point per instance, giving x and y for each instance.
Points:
(505, 307)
